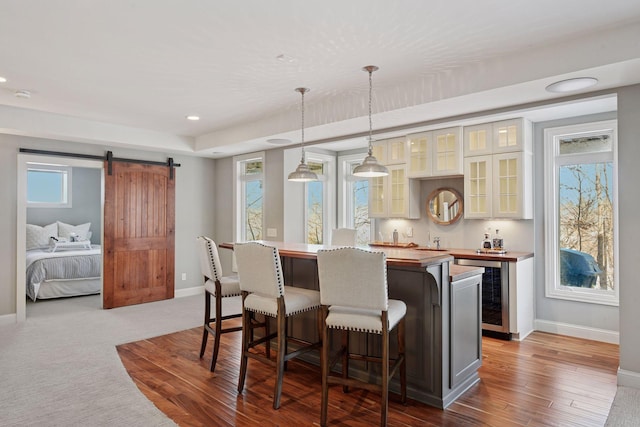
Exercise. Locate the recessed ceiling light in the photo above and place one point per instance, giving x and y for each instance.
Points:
(279, 141)
(22, 94)
(571, 85)
(193, 118)
(2, 80)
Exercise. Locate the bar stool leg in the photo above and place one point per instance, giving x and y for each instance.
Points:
(385, 370)
(246, 319)
(345, 359)
(281, 321)
(207, 319)
(324, 361)
(216, 338)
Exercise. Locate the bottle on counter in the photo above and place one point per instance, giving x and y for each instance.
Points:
(498, 243)
(395, 237)
(486, 242)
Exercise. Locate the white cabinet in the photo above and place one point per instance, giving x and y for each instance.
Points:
(497, 137)
(394, 196)
(498, 186)
(435, 153)
(498, 183)
(390, 151)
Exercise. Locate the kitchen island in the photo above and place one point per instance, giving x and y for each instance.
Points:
(443, 320)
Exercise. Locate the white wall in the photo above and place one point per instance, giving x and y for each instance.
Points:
(629, 177)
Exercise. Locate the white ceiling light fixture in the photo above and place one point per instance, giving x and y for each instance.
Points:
(192, 118)
(279, 141)
(3, 80)
(302, 172)
(570, 85)
(370, 168)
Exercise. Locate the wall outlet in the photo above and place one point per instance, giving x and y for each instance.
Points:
(409, 232)
(272, 232)
(184, 276)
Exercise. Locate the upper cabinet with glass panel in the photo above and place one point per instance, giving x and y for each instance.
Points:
(498, 137)
(498, 172)
(435, 153)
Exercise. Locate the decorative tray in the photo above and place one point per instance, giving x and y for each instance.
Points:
(491, 251)
(394, 245)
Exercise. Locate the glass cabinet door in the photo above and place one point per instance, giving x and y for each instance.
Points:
(508, 136)
(507, 185)
(377, 202)
(419, 159)
(398, 192)
(447, 149)
(477, 140)
(477, 187)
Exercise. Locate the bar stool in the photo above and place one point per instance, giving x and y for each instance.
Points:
(343, 237)
(263, 292)
(354, 297)
(217, 286)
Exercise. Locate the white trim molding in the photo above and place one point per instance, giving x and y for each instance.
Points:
(628, 378)
(8, 319)
(577, 331)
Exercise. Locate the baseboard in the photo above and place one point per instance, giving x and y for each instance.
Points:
(187, 292)
(628, 378)
(8, 319)
(603, 335)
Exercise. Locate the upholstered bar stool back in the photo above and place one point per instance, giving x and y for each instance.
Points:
(343, 237)
(354, 297)
(217, 286)
(264, 292)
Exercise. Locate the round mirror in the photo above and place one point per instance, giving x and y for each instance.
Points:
(444, 206)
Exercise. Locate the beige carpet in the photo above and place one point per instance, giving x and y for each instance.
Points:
(61, 368)
(625, 410)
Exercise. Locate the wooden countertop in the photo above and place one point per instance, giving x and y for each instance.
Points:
(510, 256)
(395, 256)
(459, 272)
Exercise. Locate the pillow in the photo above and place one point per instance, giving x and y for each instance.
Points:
(82, 230)
(38, 237)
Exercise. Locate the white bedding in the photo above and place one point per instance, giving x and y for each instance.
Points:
(68, 267)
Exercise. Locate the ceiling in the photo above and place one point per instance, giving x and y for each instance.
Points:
(128, 72)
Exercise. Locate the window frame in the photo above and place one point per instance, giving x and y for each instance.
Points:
(328, 162)
(345, 190)
(553, 160)
(239, 192)
(67, 184)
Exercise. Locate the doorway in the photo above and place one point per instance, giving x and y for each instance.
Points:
(24, 160)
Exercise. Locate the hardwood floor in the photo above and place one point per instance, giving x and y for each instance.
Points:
(546, 380)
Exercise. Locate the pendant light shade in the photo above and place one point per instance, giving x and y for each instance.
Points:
(370, 168)
(302, 172)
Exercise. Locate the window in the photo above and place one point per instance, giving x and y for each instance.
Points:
(581, 217)
(315, 214)
(354, 200)
(48, 186)
(249, 205)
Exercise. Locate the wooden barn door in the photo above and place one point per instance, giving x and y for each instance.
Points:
(139, 216)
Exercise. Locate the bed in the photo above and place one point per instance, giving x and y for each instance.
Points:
(67, 272)
(63, 267)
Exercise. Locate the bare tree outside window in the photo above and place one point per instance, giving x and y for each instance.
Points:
(586, 225)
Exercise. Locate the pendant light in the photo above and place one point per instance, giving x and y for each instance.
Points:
(302, 172)
(370, 168)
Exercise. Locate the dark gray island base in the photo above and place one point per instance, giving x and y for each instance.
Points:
(443, 320)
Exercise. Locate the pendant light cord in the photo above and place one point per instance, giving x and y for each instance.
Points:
(370, 120)
(302, 126)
